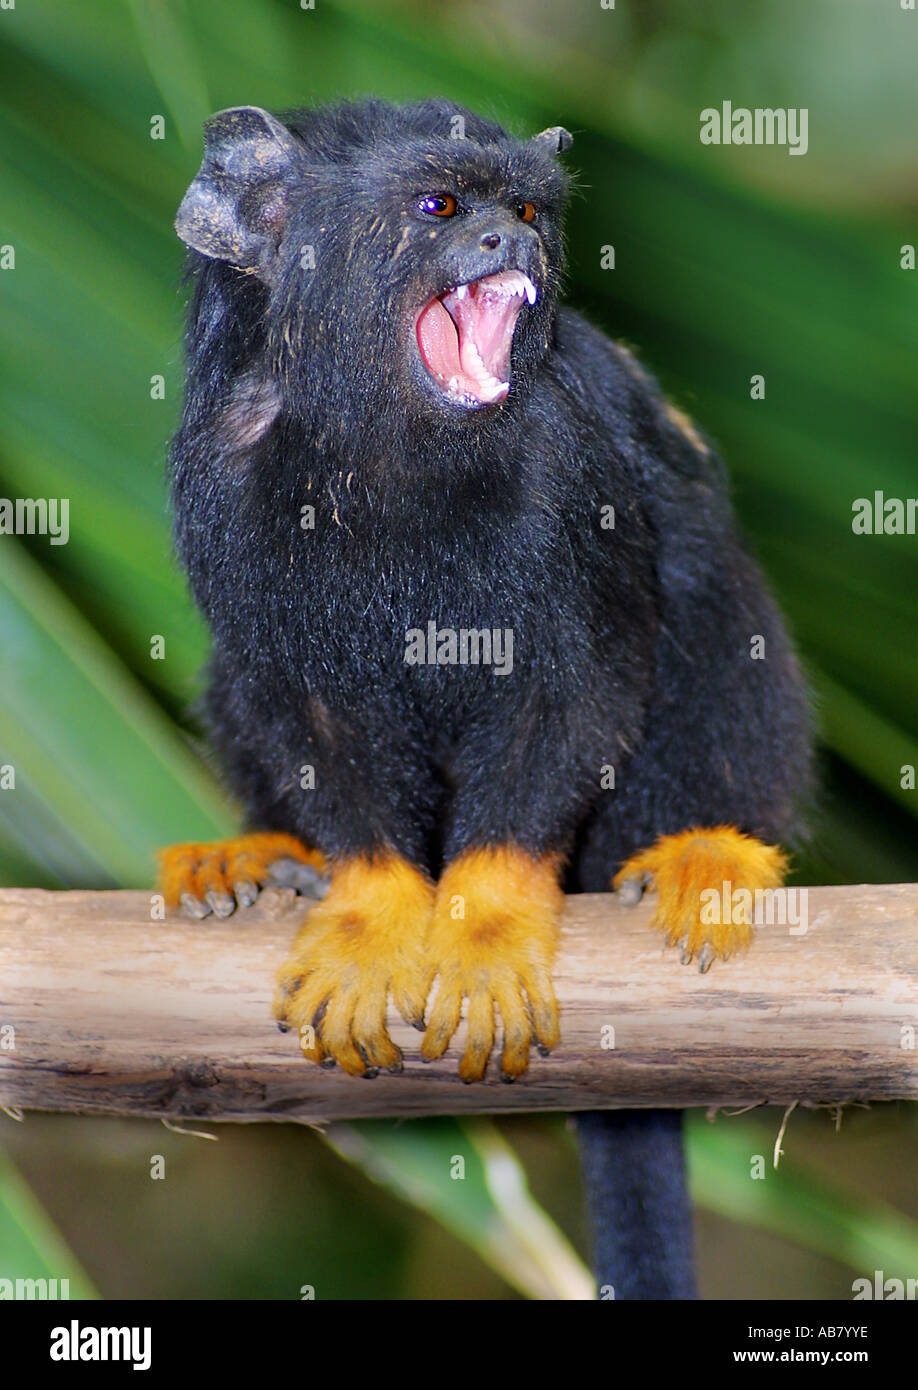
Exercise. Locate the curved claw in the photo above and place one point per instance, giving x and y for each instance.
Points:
(194, 907)
(706, 959)
(246, 892)
(221, 904)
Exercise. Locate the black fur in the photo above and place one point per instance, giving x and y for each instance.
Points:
(305, 388)
(640, 1216)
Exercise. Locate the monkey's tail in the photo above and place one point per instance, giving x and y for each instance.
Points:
(638, 1204)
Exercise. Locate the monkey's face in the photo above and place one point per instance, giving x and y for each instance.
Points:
(481, 248)
(404, 268)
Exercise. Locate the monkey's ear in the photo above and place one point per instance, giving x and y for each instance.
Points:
(236, 208)
(555, 139)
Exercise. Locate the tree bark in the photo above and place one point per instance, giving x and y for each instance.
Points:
(105, 1011)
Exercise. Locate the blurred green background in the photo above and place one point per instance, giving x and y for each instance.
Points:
(729, 262)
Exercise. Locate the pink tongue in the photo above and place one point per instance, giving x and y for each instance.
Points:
(486, 322)
(467, 348)
(439, 342)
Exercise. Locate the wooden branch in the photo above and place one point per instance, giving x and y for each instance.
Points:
(112, 1013)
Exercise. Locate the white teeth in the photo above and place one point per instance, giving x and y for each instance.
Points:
(511, 282)
(494, 390)
(486, 391)
(516, 282)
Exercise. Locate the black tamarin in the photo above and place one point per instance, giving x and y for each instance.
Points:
(459, 559)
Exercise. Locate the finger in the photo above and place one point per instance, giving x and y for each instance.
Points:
(221, 904)
(299, 994)
(335, 1034)
(630, 890)
(194, 907)
(292, 873)
(210, 876)
(246, 892)
(444, 1020)
(369, 1028)
(298, 1003)
(544, 1007)
(517, 1031)
(410, 989)
(480, 1038)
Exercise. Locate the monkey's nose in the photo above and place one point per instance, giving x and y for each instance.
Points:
(490, 241)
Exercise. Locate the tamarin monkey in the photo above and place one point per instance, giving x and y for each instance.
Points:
(460, 559)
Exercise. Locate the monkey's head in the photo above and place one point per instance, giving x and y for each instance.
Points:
(396, 259)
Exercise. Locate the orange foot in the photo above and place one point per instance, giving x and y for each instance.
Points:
(494, 939)
(217, 877)
(684, 869)
(365, 938)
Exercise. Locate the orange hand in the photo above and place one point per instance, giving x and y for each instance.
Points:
(216, 876)
(494, 940)
(365, 938)
(683, 867)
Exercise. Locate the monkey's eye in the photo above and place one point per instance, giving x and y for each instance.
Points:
(439, 204)
(525, 212)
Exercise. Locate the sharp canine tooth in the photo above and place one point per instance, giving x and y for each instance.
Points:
(530, 289)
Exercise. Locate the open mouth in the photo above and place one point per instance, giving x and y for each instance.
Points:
(465, 336)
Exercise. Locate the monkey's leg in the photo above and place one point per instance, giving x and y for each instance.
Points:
(365, 939)
(216, 877)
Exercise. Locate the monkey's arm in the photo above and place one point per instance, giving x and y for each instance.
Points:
(334, 794)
